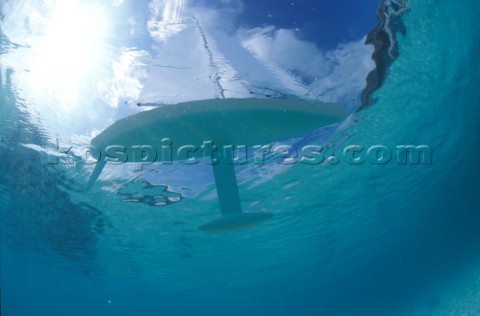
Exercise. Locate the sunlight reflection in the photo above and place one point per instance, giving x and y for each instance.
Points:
(69, 51)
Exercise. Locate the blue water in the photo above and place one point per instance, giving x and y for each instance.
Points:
(367, 239)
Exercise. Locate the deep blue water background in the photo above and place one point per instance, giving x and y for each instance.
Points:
(350, 240)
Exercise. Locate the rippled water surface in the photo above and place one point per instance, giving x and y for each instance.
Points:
(346, 238)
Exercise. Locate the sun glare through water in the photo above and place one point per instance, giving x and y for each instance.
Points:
(69, 51)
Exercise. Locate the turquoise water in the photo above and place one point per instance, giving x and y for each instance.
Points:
(368, 239)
